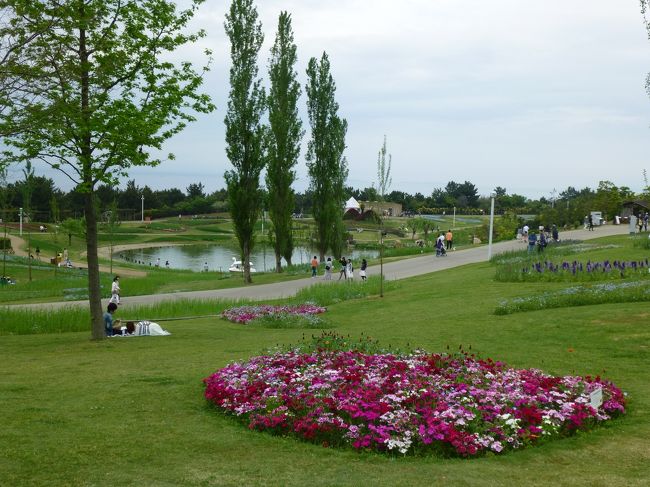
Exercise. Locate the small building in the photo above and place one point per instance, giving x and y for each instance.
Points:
(635, 207)
(382, 208)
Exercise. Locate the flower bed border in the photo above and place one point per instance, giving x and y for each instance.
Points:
(379, 402)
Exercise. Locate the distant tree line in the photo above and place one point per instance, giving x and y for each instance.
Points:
(568, 207)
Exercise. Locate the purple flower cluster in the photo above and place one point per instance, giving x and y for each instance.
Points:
(453, 404)
(615, 266)
(245, 314)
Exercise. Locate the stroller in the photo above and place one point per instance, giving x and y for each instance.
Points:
(440, 248)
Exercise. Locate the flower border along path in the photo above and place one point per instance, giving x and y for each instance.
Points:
(450, 404)
(246, 314)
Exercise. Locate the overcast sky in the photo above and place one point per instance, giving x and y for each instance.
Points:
(525, 94)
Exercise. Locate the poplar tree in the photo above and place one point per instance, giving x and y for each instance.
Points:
(325, 161)
(244, 130)
(285, 134)
(384, 180)
(92, 91)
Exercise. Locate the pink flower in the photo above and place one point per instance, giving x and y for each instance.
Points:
(411, 402)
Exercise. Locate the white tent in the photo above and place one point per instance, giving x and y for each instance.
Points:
(352, 204)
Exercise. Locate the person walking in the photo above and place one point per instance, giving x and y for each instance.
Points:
(541, 243)
(344, 265)
(328, 269)
(362, 271)
(314, 267)
(115, 291)
(532, 241)
(349, 270)
(449, 238)
(555, 234)
(590, 222)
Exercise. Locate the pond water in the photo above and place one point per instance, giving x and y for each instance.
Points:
(219, 257)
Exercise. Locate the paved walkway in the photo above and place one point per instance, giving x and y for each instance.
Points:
(401, 269)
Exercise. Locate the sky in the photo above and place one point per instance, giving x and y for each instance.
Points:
(527, 95)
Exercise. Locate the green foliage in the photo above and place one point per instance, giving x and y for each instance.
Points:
(244, 131)
(5, 244)
(327, 293)
(622, 292)
(93, 91)
(325, 161)
(26, 321)
(641, 242)
(384, 179)
(329, 341)
(278, 321)
(284, 136)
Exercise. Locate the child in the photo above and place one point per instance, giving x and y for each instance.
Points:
(362, 272)
(115, 291)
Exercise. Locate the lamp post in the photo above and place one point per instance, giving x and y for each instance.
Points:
(142, 208)
(21, 221)
(492, 195)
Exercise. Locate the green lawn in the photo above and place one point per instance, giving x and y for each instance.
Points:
(131, 411)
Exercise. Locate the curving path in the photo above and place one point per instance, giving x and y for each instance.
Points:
(401, 269)
(18, 244)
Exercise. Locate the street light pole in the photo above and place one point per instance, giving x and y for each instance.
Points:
(142, 208)
(491, 226)
(21, 222)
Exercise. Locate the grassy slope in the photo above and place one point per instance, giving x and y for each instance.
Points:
(131, 412)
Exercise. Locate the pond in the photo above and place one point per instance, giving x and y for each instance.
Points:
(219, 257)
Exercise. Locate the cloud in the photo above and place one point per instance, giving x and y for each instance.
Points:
(488, 92)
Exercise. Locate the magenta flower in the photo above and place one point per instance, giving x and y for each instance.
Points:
(245, 314)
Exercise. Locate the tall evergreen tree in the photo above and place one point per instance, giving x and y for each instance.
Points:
(96, 88)
(284, 138)
(325, 161)
(244, 131)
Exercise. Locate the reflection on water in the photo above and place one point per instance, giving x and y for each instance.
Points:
(219, 257)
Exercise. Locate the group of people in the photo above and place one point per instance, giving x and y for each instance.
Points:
(346, 270)
(540, 241)
(444, 243)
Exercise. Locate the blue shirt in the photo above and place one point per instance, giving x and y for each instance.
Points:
(108, 324)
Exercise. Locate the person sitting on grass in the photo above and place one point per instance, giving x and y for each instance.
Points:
(108, 319)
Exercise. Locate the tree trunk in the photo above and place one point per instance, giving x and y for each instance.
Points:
(94, 294)
(247, 263)
(278, 262)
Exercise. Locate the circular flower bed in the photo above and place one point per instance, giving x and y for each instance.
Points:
(245, 314)
(453, 404)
